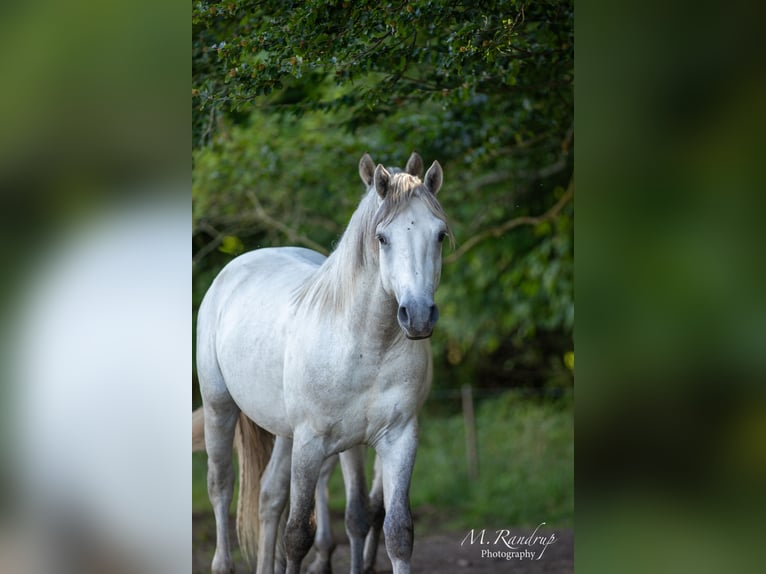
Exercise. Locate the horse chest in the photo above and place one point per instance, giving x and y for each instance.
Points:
(356, 391)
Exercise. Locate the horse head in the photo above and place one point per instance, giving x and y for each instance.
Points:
(409, 227)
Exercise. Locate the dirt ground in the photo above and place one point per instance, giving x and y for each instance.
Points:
(434, 552)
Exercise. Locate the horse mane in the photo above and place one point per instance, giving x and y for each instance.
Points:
(333, 282)
(404, 187)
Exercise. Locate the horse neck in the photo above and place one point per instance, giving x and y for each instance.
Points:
(353, 268)
(370, 309)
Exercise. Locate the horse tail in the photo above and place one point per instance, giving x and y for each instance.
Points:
(198, 430)
(253, 445)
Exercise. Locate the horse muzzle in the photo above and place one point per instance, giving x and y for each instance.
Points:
(417, 318)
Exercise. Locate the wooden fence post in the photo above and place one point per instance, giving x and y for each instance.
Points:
(471, 448)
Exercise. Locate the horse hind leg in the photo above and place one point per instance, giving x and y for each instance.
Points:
(357, 506)
(220, 422)
(377, 515)
(275, 488)
(280, 559)
(324, 543)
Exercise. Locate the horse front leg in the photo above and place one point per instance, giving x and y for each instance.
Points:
(357, 507)
(220, 422)
(307, 459)
(397, 457)
(377, 514)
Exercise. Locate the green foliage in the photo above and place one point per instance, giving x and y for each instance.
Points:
(286, 99)
(393, 53)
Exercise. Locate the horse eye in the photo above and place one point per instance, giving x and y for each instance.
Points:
(442, 235)
(382, 239)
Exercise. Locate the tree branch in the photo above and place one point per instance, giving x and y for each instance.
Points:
(262, 216)
(236, 223)
(366, 52)
(211, 245)
(499, 230)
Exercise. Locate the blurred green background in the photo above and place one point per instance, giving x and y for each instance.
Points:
(285, 102)
(671, 277)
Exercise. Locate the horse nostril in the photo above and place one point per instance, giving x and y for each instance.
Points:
(404, 317)
(433, 316)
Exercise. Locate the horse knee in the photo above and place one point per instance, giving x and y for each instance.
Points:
(397, 528)
(299, 537)
(271, 503)
(220, 480)
(357, 519)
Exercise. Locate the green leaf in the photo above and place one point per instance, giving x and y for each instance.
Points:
(232, 245)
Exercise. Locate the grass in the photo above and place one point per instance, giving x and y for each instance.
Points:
(526, 468)
(526, 465)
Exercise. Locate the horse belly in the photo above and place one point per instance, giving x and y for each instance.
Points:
(252, 369)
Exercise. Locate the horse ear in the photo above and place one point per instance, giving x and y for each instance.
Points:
(414, 165)
(434, 176)
(366, 169)
(382, 178)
